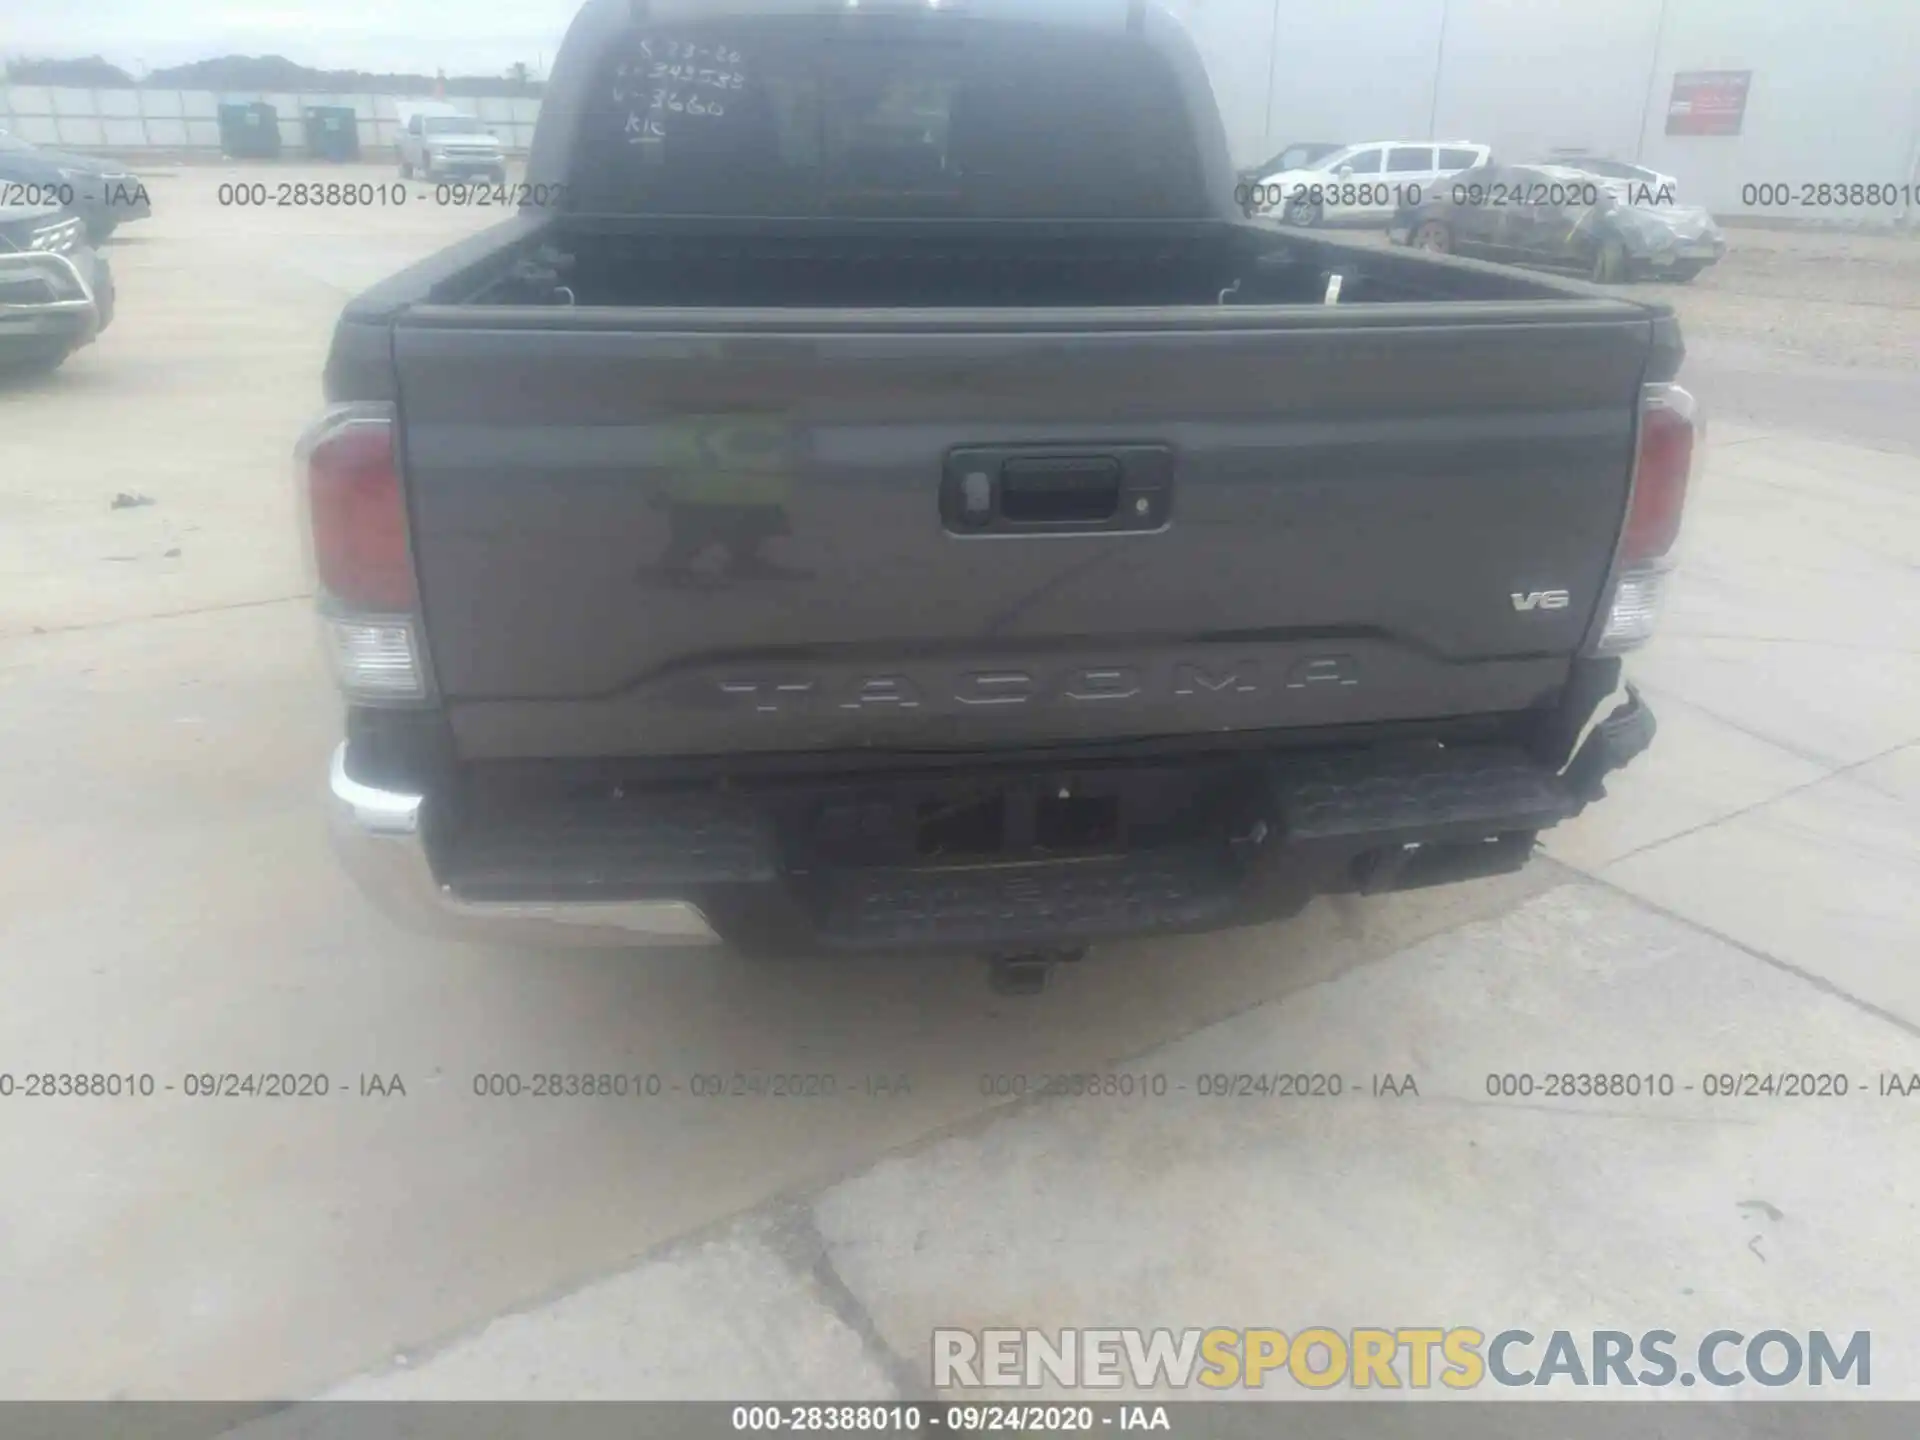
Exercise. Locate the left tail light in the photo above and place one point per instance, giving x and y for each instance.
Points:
(359, 552)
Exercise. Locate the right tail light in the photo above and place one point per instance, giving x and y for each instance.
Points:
(1657, 495)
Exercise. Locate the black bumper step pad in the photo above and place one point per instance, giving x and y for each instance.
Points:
(615, 850)
(1026, 905)
(1378, 797)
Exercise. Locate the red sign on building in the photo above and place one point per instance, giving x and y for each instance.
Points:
(1708, 102)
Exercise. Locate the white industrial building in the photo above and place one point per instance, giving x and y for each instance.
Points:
(1833, 94)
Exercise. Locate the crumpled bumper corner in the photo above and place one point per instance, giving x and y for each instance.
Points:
(1615, 742)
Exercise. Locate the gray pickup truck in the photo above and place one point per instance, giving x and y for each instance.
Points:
(879, 494)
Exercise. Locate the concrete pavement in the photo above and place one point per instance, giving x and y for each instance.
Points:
(1745, 900)
(1684, 1213)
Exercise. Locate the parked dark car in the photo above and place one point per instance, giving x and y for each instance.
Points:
(102, 192)
(56, 294)
(1561, 218)
(997, 545)
(1291, 157)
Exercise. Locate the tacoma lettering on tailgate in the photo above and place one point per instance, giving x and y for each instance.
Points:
(1090, 685)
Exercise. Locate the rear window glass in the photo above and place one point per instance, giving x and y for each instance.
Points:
(885, 116)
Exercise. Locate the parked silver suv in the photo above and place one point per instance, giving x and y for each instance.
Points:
(56, 294)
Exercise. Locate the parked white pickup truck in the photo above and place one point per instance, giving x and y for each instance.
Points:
(438, 142)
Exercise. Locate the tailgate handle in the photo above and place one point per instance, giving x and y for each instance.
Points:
(1069, 489)
(1059, 490)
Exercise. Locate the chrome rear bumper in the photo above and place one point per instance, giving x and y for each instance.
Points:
(381, 838)
(71, 313)
(848, 863)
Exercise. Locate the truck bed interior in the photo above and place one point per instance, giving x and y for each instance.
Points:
(920, 267)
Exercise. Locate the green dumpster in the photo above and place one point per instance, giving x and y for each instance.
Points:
(250, 131)
(333, 132)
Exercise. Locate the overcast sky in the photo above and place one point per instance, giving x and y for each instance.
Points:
(458, 36)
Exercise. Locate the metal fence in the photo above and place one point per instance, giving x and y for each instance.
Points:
(189, 120)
